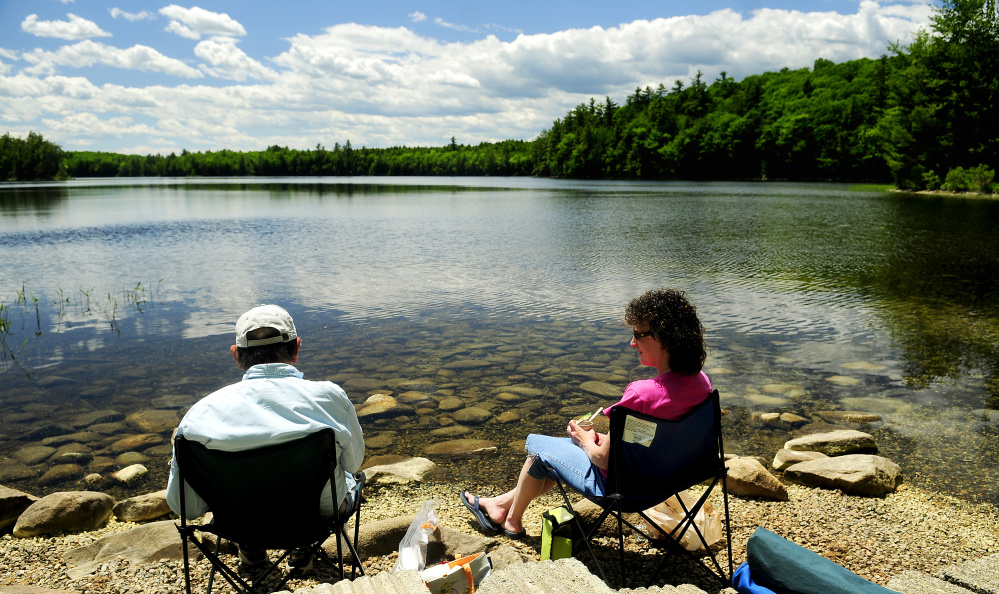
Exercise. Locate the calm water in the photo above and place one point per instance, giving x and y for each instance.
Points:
(505, 294)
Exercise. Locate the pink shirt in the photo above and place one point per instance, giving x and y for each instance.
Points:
(669, 396)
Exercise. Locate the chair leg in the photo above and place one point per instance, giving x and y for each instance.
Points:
(582, 531)
(187, 564)
(620, 543)
(211, 572)
(356, 562)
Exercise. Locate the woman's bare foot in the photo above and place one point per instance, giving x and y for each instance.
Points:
(492, 506)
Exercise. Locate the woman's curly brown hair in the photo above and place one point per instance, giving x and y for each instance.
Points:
(673, 322)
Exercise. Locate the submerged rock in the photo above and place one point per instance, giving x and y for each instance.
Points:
(136, 442)
(473, 415)
(848, 416)
(843, 380)
(153, 420)
(602, 389)
(61, 473)
(381, 406)
(399, 473)
(130, 474)
(462, 448)
(32, 455)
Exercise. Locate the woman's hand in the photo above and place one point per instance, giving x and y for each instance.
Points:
(596, 445)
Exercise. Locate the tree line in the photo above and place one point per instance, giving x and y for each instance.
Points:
(922, 116)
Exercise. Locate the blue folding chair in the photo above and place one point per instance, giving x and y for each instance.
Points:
(651, 460)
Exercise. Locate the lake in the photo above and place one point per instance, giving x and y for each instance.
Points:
(506, 294)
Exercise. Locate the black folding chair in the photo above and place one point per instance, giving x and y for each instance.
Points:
(651, 460)
(265, 498)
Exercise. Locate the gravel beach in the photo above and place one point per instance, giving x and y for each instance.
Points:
(876, 538)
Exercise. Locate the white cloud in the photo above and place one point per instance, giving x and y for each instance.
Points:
(143, 15)
(417, 17)
(195, 22)
(448, 25)
(88, 53)
(182, 30)
(495, 27)
(224, 60)
(75, 28)
(381, 86)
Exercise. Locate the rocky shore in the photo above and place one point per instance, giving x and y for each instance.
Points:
(876, 537)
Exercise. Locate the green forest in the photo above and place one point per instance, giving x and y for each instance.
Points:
(922, 116)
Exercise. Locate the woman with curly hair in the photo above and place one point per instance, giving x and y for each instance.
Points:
(668, 336)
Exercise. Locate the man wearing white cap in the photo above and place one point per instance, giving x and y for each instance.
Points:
(272, 404)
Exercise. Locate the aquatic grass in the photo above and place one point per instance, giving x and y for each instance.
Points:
(67, 305)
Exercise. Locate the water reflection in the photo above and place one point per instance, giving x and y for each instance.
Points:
(815, 299)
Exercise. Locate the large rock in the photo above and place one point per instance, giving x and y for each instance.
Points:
(835, 443)
(400, 473)
(143, 507)
(748, 478)
(462, 448)
(786, 458)
(858, 474)
(141, 545)
(12, 503)
(66, 511)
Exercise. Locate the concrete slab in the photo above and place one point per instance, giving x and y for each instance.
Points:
(914, 582)
(565, 576)
(980, 575)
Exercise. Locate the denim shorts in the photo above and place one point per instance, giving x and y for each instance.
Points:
(568, 461)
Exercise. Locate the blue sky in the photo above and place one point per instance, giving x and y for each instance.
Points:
(143, 77)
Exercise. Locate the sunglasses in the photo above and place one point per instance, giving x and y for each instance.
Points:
(641, 335)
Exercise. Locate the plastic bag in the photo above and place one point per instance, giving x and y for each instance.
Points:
(669, 514)
(413, 547)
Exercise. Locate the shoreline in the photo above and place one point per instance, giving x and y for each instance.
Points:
(877, 538)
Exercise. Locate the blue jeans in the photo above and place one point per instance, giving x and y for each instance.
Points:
(568, 461)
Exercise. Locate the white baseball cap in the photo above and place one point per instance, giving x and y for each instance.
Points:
(265, 316)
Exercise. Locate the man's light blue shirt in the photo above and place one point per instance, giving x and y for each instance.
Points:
(273, 404)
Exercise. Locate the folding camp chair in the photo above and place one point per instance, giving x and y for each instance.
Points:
(265, 498)
(651, 460)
